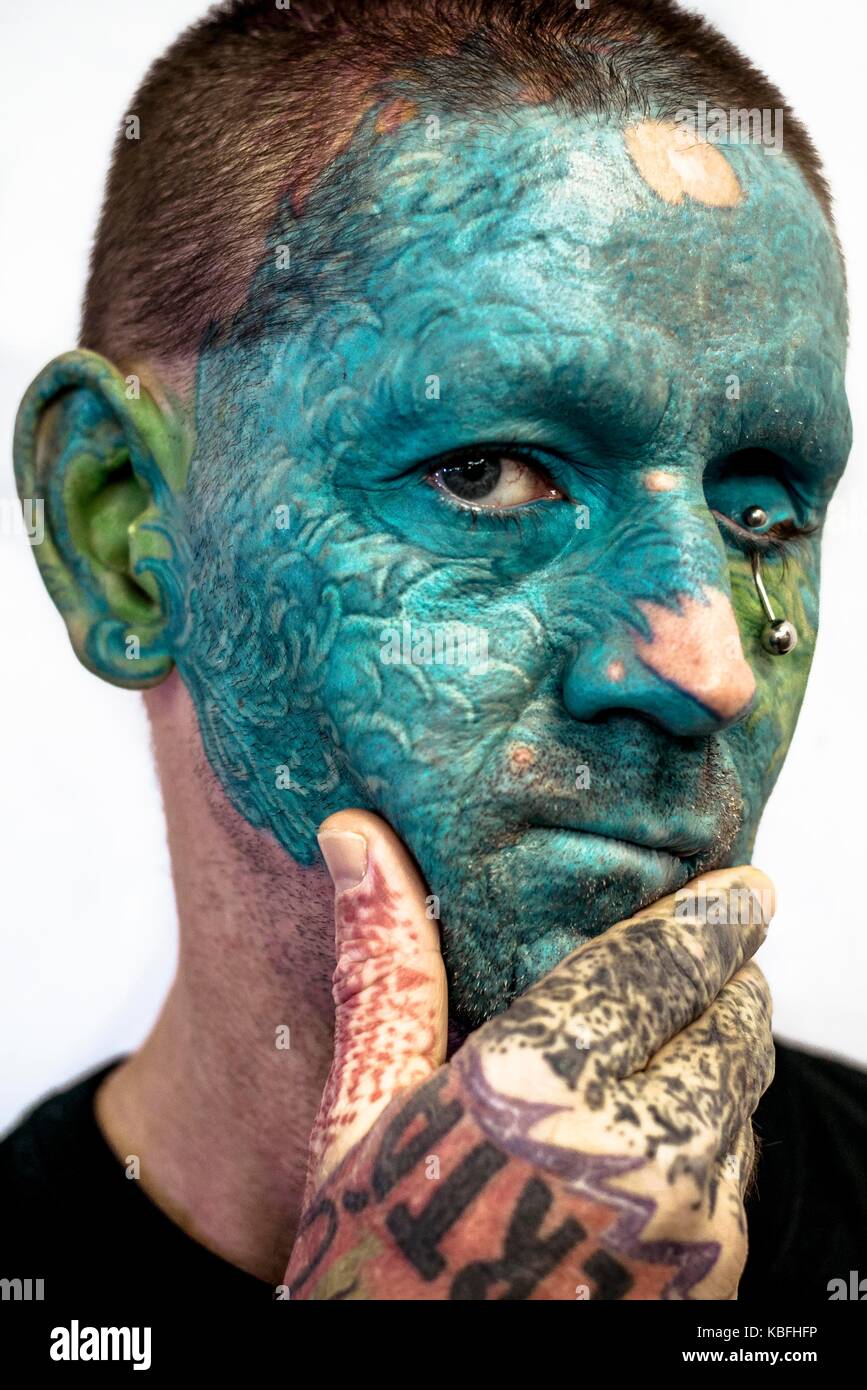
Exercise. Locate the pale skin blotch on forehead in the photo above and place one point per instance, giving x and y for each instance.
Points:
(568, 300)
(677, 165)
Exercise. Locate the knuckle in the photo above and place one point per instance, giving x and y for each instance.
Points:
(751, 981)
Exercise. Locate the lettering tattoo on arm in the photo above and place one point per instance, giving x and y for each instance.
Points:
(449, 1199)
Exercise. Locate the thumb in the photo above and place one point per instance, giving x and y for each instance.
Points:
(389, 988)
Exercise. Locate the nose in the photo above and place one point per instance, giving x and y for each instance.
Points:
(680, 663)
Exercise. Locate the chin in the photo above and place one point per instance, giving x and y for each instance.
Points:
(521, 910)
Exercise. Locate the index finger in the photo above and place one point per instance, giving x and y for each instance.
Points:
(623, 995)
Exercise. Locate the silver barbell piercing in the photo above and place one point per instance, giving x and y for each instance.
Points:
(779, 636)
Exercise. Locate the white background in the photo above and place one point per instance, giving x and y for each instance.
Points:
(86, 908)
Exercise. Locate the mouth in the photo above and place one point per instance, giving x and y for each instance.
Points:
(588, 872)
(552, 888)
(647, 795)
(687, 825)
(556, 888)
(662, 842)
(662, 863)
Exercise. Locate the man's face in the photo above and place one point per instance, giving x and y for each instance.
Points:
(502, 378)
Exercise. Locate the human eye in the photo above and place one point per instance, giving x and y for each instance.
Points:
(493, 479)
(751, 499)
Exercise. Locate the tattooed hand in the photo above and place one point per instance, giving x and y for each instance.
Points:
(593, 1141)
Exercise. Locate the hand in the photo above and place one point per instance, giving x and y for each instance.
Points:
(594, 1140)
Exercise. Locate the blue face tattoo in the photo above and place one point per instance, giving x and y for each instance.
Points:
(463, 540)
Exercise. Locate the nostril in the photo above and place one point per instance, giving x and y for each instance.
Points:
(628, 713)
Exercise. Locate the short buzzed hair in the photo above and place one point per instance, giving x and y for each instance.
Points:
(250, 105)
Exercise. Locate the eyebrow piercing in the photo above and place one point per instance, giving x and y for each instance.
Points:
(754, 517)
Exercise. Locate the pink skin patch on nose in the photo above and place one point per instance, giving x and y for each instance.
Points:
(657, 481)
(615, 671)
(698, 648)
(677, 165)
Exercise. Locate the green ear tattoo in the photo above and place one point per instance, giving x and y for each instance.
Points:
(106, 464)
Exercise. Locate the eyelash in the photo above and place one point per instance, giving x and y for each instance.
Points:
(499, 516)
(496, 516)
(786, 539)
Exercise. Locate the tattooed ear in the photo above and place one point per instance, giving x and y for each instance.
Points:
(99, 459)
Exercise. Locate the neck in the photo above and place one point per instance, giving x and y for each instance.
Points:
(219, 1101)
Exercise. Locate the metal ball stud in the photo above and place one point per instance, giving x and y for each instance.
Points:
(780, 637)
(754, 517)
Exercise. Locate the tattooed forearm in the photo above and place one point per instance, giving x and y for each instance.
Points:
(439, 1204)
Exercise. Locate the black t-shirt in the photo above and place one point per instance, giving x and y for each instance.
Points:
(69, 1215)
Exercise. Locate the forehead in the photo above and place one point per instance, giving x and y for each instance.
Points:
(549, 242)
(568, 214)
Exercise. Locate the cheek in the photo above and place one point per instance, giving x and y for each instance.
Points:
(422, 709)
(259, 626)
(792, 584)
(760, 744)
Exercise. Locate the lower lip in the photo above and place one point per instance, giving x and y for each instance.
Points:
(581, 851)
(589, 882)
(666, 851)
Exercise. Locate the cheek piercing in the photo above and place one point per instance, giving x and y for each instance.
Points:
(779, 636)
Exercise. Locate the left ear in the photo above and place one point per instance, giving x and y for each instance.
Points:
(103, 464)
